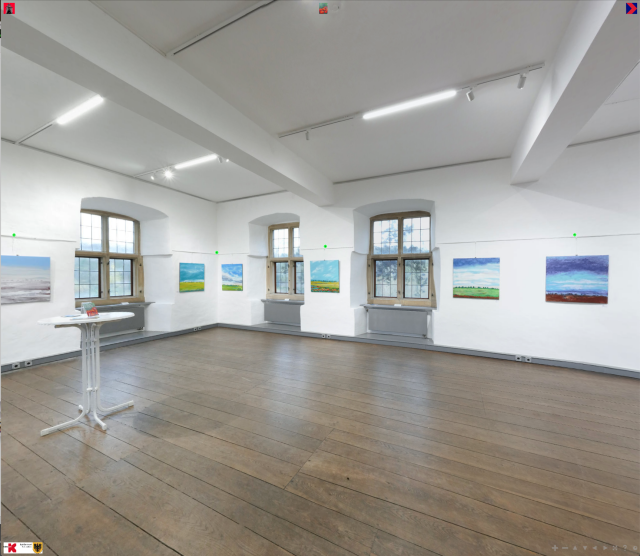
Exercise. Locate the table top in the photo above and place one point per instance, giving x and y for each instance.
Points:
(82, 319)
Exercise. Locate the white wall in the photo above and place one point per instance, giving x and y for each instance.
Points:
(593, 190)
(41, 199)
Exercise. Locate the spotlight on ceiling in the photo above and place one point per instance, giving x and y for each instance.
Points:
(409, 104)
(153, 177)
(470, 95)
(523, 78)
(226, 160)
(168, 174)
(195, 161)
(79, 110)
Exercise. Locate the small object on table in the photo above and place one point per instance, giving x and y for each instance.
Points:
(90, 345)
(89, 309)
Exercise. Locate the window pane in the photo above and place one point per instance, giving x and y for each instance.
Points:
(385, 237)
(121, 235)
(90, 232)
(86, 278)
(416, 279)
(296, 242)
(281, 243)
(386, 278)
(415, 235)
(120, 278)
(299, 277)
(282, 277)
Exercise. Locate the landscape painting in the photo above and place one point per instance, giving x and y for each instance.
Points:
(191, 277)
(231, 277)
(325, 276)
(578, 279)
(476, 278)
(25, 279)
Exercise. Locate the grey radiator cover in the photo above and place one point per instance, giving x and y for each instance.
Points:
(402, 322)
(125, 325)
(282, 312)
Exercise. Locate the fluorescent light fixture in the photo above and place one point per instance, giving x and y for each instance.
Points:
(79, 110)
(168, 174)
(409, 104)
(195, 161)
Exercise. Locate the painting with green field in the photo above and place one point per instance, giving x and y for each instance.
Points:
(476, 278)
(231, 277)
(325, 276)
(191, 277)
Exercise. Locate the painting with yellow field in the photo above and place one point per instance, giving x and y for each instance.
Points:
(191, 277)
(325, 276)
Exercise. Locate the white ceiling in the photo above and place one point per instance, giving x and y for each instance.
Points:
(109, 136)
(165, 25)
(620, 114)
(286, 67)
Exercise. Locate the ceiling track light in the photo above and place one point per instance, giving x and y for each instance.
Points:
(522, 79)
(168, 173)
(469, 87)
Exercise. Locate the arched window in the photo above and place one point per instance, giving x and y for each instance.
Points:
(400, 267)
(285, 266)
(108, 265)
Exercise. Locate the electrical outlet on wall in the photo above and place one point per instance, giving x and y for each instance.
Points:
(527, 359)
(518, 357)
(15, 366)
(28, 363)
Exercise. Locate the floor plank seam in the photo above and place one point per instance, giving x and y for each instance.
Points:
(471, 498)
(474, 451)
(234, 496)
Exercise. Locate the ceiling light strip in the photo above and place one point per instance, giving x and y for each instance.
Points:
(465, 87)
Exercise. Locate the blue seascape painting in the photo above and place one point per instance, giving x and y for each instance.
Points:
(578, 279)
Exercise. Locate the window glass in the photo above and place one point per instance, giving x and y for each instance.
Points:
(87, 277)
(416, 279)
(386, 278)
(281, 243)
(385, 237)
(90, 232)
(121, 235)
(296, 242)
(282, 277)
(120, 283)
(415, 235)
(299, 277)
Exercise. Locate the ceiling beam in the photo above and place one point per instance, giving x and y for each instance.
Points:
(599, 49)
(80, 42)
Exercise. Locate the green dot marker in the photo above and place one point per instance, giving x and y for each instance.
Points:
(216, 252)
(325, 246)
(574, 235)
(14, 235)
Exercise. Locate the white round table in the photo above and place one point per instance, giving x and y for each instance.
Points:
(90, 345)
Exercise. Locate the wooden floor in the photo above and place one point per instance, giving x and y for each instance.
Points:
(252, 443)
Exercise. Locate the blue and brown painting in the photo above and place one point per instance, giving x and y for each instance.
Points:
(476, 278)
(578, 279)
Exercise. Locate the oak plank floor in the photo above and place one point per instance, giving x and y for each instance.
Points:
(250, 443)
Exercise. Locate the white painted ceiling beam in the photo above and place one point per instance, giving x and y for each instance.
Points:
(80, 42)
(600, 48)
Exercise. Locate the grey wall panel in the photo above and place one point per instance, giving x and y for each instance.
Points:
(284, 313)
(412, 323)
